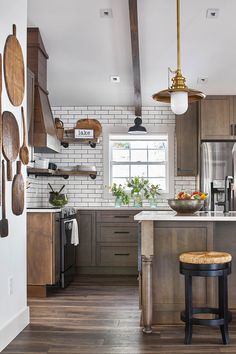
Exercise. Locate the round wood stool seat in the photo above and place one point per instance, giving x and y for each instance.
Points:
(205, 257)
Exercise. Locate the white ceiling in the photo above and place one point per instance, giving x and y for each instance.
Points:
(85, 49)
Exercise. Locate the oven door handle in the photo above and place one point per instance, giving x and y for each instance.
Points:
(68, 224)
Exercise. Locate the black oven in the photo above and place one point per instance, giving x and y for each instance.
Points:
(68, 250)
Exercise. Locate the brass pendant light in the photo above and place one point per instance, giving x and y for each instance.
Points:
(178, 94)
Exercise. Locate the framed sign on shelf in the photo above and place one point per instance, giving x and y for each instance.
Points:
(84, 133)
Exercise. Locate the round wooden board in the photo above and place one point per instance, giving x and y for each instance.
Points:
(14, 69)
(90, 124)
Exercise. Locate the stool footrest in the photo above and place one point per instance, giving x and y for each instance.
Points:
(206, 321)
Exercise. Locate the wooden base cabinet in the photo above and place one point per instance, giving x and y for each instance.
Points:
(85, 252)
(170, 240)
(43, 251)
(108, 242)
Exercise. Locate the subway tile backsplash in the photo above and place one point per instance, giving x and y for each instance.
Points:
(83, 191)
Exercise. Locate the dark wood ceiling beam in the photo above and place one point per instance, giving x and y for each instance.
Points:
(133, 15)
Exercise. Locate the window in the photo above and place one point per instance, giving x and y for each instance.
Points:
(139, 156)
(150, 155)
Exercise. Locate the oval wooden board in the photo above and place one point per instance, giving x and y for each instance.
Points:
(90, 124)
(14, 69)
(18, 193)
(10, 136)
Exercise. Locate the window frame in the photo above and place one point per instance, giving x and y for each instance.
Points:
(124, 137)
(155, 130)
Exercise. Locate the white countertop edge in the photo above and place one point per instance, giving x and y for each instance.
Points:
(34, 210)
(125, 208)
(171, 216)
(78, 208)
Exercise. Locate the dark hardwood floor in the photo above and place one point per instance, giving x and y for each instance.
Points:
(100, 315)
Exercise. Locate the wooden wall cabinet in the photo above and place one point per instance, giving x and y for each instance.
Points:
(212, 119)
(218, 118)
(187, 141)
(43, 251)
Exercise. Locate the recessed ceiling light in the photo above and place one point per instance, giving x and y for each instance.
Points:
(212, 13)
(106, 13)
(202, 80)
(115, 79)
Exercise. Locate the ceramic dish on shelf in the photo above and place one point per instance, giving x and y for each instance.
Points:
(89, 168)
(67, 168)
(41, 163)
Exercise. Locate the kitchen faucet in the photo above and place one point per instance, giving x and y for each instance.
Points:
(227, 203)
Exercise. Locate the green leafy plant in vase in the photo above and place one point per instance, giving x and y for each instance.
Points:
(151, 192)
(122, 197)
(137, 185)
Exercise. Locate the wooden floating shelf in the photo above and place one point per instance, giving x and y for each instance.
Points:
(39, 171)
(58, 173)
(80, 141)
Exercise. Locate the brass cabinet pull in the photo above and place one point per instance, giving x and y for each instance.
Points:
(121, 232)
(121, 254)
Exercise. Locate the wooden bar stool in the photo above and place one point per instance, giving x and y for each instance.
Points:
(206, 264)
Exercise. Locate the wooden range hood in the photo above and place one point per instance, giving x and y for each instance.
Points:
(44, 136)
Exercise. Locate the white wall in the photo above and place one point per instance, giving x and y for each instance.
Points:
(14, 314)
(83, 191)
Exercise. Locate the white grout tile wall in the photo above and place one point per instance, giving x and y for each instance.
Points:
(83, 191)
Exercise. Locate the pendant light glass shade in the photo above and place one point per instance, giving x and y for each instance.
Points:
(179, 102)
(178, 94)
(137, 128)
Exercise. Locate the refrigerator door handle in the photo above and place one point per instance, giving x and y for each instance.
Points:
(234, 129)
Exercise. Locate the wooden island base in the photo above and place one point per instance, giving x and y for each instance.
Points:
(162, 286)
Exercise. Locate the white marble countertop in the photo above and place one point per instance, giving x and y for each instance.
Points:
(40, 210)
(172, 216)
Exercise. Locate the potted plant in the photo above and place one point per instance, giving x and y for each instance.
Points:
(121, 195)
(151, 192)
(138, 186)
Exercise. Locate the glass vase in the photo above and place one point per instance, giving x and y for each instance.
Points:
(137, 200)
(118, 202)
(152, 202)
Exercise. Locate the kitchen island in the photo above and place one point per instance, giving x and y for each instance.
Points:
(165, 235)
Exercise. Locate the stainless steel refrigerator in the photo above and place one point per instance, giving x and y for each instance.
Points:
(218, 168)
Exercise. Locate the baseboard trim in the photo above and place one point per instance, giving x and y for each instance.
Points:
(13, 327)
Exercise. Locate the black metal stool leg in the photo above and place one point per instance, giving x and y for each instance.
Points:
(188, 309)
(223, 307)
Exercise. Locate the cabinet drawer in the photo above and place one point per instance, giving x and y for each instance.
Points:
(119, 233)
(122, 256)
(122, 216)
